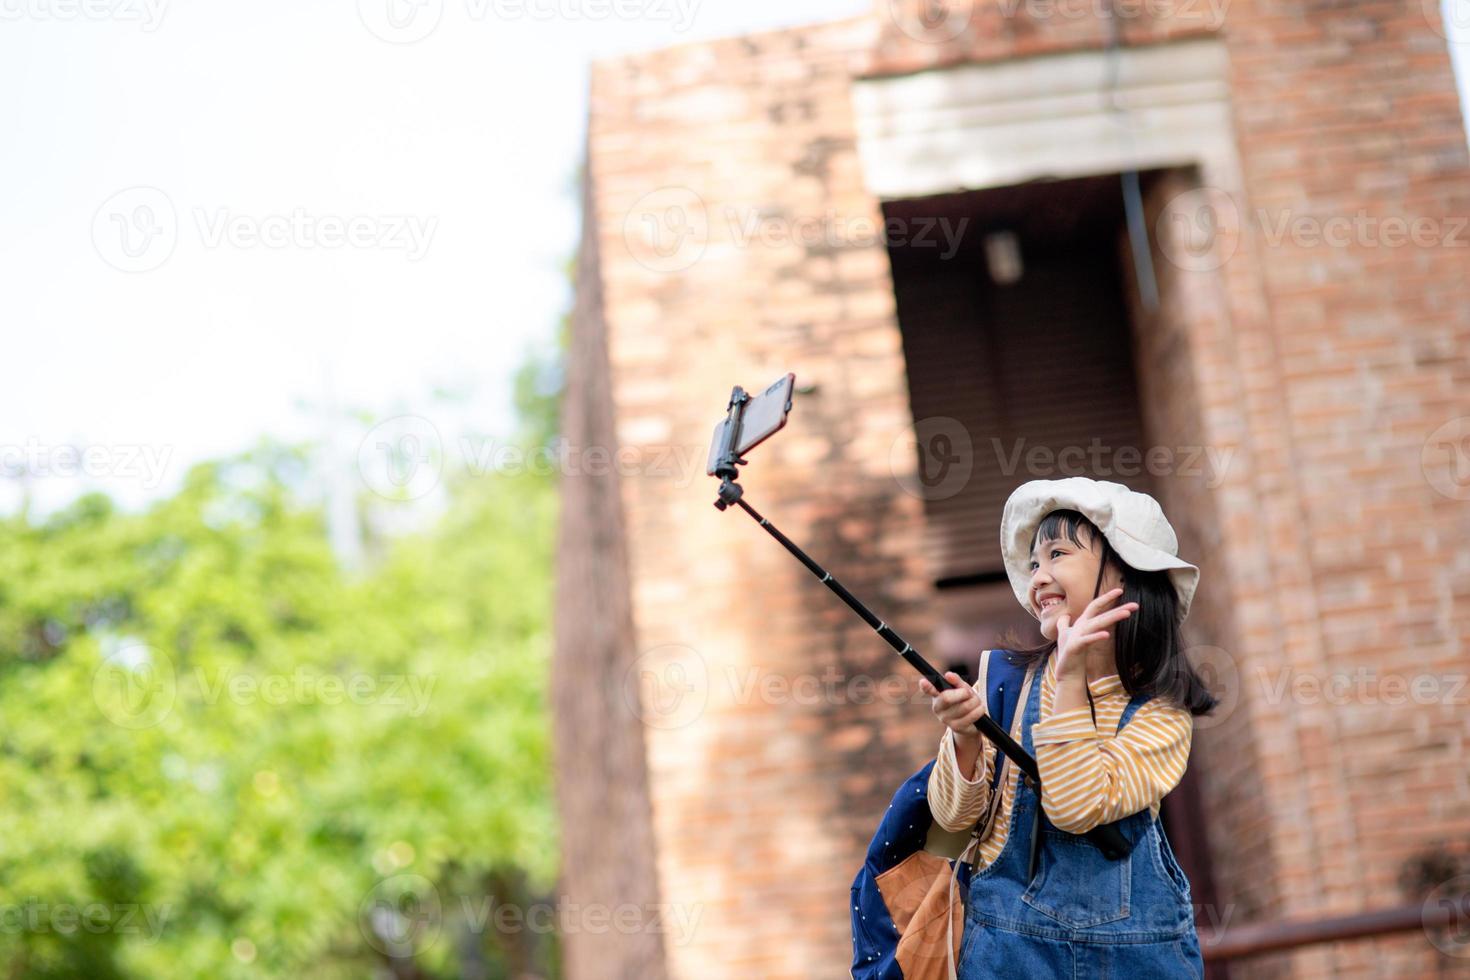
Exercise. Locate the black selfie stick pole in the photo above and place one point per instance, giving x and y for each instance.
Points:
(1107, 837)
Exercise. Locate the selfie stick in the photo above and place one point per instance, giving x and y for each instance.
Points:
(1107, 837)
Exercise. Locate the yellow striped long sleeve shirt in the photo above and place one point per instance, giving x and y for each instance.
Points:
(1091, 773)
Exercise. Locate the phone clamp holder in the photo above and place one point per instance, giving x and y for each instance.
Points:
(728, 458)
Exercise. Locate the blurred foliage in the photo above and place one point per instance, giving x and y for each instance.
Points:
(539, 383)
(223, 755)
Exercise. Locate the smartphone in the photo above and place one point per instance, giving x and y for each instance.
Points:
(764, 416)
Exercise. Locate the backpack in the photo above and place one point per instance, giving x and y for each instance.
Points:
(882, 910)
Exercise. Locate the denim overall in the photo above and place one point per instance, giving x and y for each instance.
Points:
(1083, 916)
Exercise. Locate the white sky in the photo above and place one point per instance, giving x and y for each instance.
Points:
(258, 110)
(255, 112)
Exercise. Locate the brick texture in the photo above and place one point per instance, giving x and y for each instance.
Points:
(729, 238)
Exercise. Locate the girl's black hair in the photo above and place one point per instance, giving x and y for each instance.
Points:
(1148, 645)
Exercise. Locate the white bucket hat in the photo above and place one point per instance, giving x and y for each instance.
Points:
(1133, 523)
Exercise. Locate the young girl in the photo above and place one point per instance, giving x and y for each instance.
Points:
(1107, 710)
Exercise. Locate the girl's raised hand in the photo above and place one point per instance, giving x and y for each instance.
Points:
(1076, 640)
(959, 707)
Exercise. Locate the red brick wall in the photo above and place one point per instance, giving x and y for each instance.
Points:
(1349, 354)
(1326, 546)
(764, 797)
(607, 840)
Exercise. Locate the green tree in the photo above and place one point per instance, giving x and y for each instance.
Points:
(220, 755)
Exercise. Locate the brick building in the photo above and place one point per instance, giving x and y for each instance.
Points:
(1207, 249)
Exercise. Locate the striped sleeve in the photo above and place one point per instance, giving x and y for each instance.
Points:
(1090, 778)
(957, 802)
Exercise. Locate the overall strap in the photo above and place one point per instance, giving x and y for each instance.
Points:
(1137, 701)
(1005, 685)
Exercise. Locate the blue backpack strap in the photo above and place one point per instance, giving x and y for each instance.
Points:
(1137, 701)
(1003, 681)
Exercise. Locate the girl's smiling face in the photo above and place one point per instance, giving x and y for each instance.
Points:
(1064, 573)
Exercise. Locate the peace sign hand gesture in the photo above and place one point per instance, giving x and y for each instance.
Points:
(1089, 634)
